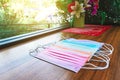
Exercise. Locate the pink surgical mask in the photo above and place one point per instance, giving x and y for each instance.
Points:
(73, 54)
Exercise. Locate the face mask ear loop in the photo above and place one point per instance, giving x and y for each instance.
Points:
(100, 55)
(103, 55)
(31, 53)
(110, 46)
(107, 49)
(90, 64)
(36, 50)
(94, 67)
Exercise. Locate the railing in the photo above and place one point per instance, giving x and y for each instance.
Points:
(28, 35)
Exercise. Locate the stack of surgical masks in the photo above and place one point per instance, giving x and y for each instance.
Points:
(74, 54)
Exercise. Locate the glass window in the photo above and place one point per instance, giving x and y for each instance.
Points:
(24, 16)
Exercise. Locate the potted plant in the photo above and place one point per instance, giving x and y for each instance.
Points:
(77, 8)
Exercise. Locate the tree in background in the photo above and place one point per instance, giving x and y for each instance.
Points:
(6, 14)
(24, 11)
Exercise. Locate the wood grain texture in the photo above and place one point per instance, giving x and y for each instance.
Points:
(17, 64)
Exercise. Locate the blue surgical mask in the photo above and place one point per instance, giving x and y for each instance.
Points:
(84, 45)
(88, 43)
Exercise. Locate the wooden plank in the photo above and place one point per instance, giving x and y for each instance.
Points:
(17, 64)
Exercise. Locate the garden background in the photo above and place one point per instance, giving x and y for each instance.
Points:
(24, 16)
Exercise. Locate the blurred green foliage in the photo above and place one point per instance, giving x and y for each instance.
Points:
(19, 16)
(63, 11)
(108, 13)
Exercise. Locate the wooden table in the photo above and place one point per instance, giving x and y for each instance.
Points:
(17, 64)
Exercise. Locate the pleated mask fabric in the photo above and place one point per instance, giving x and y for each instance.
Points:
(71, 54)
